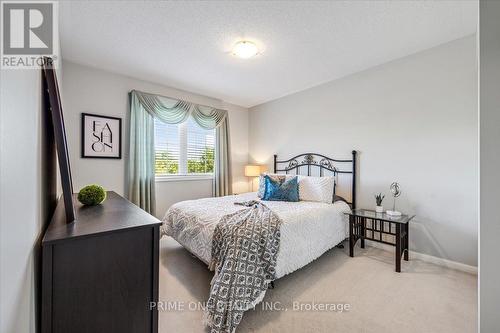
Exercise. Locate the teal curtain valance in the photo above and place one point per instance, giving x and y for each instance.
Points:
(172, 111)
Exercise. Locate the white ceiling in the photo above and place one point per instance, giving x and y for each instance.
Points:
(186, 44)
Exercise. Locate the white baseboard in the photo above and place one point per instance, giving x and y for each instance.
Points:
(428, 258)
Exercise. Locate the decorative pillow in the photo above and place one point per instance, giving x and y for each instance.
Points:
(276, 191)
(318, 189)
(262, 183)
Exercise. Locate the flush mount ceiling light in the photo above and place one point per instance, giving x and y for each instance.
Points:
(245, 49)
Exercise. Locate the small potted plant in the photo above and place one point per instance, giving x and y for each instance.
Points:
(92, 195)
(378, 199)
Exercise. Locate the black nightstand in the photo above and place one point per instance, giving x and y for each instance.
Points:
(367, 224)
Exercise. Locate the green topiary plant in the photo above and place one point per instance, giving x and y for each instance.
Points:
(378, 198)
(92, 195)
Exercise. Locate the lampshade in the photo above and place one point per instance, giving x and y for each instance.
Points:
(252, 170)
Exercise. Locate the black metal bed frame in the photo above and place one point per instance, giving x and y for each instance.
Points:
(323, 163)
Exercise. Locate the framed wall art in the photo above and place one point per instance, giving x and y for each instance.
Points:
(101, 136)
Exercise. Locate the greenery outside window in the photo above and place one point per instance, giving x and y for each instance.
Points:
(183, 149)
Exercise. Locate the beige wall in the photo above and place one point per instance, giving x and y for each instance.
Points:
(413, 120)
(21, 198)
(91, 90)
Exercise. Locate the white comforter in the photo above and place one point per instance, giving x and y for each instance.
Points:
(309, 228)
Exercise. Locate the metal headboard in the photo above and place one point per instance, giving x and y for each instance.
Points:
(322, 162)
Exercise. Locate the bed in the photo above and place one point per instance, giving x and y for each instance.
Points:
(308, 230)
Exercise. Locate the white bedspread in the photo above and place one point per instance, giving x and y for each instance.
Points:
(309, 228)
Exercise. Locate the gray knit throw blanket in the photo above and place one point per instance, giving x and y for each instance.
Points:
(245, 247)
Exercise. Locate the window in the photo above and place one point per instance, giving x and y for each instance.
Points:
(183, 149)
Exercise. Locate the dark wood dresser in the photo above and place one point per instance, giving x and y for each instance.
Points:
(100, 272)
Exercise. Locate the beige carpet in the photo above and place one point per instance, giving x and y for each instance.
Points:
(423, 298)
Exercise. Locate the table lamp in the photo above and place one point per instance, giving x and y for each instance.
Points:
(252, 171)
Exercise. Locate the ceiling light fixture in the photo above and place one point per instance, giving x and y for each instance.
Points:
(245, 49)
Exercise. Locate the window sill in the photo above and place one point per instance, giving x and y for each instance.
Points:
(181, 178)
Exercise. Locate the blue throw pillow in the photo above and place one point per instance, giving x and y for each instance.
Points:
(276, 191)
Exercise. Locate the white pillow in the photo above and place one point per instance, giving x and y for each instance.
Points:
(318, 189)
